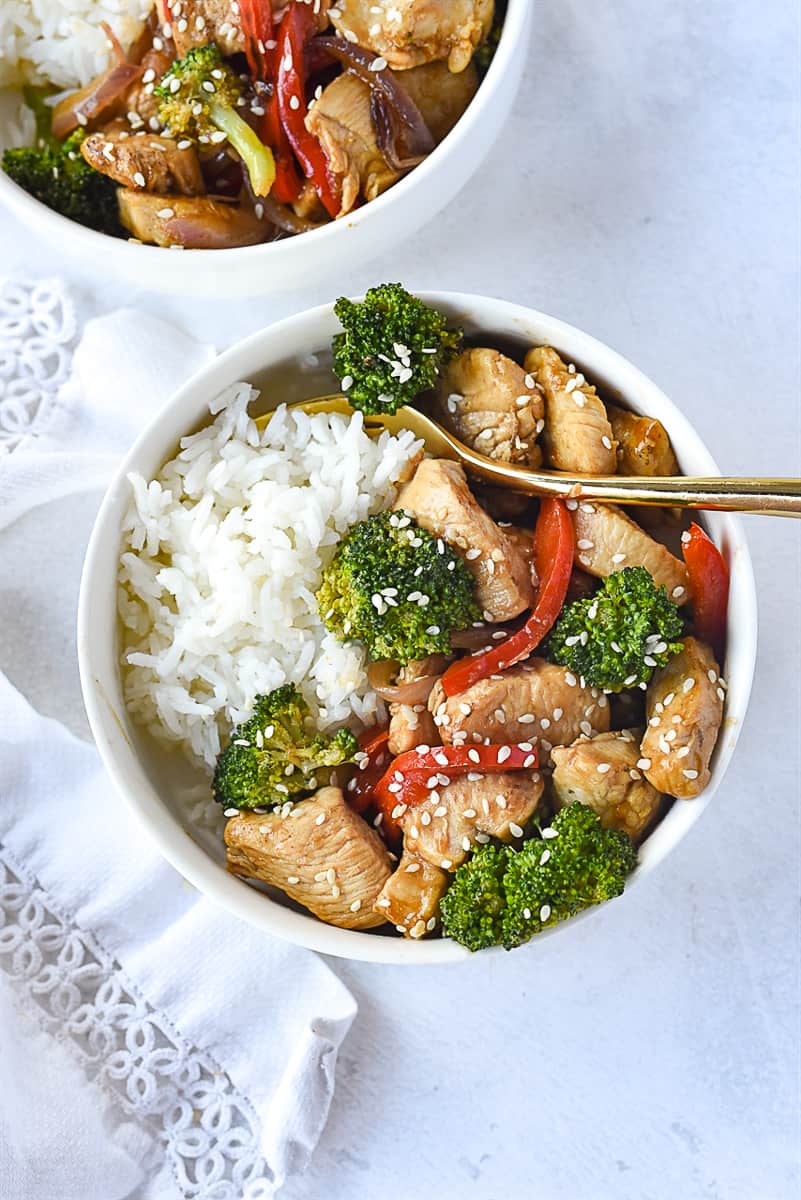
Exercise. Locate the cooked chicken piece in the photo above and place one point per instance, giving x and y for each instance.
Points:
(440, 95)
(439, 499)
(603, 773)
(412, 724)
(323, 855)
(444, 828)
(607, 541)
(309, 206)
(140, 99)
(144, 161)
(342, 123)
(578, 436)
(482, 397)
(197, 222)
(684, 706)
(410, 32)
(536, 702)
(196, 22)
(410, 897)
(643, 446)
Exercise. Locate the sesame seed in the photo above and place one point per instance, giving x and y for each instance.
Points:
(602, 768)
(473, 554)
(139, 179)
(294, 103)
(230, 812)
(504, 753)
(557, 714)
(317, 820)
(431, 923)
(690, 774)
(546, 854)
(166, 213)
(677, 592)
(545, 913)
(382, 903)
(293, 879)
(644, 764)
(525, 719)
(515, 830)
(606, 442)
(412, 867)
(682, 752)
(355, 906)
(425, 818)
(688, 684)
(618, 558)
(441, 811)
(378, 64)
(446, 864)
(721, 694)
(529, 381)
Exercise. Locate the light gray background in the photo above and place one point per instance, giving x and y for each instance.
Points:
(646, 189)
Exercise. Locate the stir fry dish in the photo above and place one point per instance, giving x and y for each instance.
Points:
(235, 122)
(482, 703)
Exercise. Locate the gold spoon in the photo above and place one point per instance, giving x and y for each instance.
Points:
(768, 497)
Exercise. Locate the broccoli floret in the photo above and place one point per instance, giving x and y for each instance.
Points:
(57, 175)
(199, 97)
(392, 349)
(474, 906)
(617, 637)
(274, 756)
(502, 896)
(396, 588)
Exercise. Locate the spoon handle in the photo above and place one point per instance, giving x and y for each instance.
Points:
(769, 497)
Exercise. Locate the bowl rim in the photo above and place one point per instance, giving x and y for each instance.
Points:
(92, 241)
(173, 842)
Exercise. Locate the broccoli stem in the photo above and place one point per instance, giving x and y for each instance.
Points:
(257, 158)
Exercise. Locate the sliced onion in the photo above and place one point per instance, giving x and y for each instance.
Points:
(416, 691)
(98, 95)
(403, 136)
(282, 216)
(479, 639)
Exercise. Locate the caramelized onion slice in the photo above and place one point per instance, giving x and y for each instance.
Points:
(417, 691)
(403, 136)
(99, 95)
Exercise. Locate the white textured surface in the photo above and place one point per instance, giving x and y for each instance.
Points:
(646, 189)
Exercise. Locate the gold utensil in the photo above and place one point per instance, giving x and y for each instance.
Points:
(768, 497)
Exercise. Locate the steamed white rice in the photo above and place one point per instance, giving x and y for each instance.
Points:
(60, 41)
(222, 555)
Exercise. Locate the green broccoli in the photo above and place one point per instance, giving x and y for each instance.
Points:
(392, 349)
(502, 896)
(57, 175)
(396, 588)
(274, 757)
(617, 637)
(199, 97)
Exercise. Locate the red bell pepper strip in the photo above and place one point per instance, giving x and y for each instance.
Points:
(709, 587)
(298, 26)
(412, 777)
(257, 25)
(552, 563)
(288, 182)
(359, 790)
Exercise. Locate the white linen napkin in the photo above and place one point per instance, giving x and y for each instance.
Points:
(152, 1045)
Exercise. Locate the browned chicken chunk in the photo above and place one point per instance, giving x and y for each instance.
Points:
(684, 706)
(196, 22)
(440, 95)
(145, 162)
(482, 397)
(342, 123)
(197, 222)
(607, 541)
(536, 702)
(643, 446)
(577, 436)
(603, 773)
(444, 828)
(410, 897)
(440, 501)
(140, 100)
(412, 724)
(410, 32)
(323, 855)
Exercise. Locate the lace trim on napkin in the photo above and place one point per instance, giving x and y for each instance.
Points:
(38, 329)
(204, 1128)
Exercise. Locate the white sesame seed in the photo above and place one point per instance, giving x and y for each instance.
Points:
(166, 213)
(139, 179)
(677, 592)
(446, 864)
(618, 558)
(515, 830)
(317, 820)
(230, 812)
(431, 923)
(525, 719)
(690, 774)
(545, 913)
(292, 879)
(602, 768)
(644, 764)
(504, 753)
(294, 103)
(688, 684)
(529, 381)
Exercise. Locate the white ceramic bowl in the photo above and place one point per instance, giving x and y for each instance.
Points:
(150, 777)
(320, 254)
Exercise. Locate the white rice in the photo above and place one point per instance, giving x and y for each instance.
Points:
(60, 41)
(221, 558)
